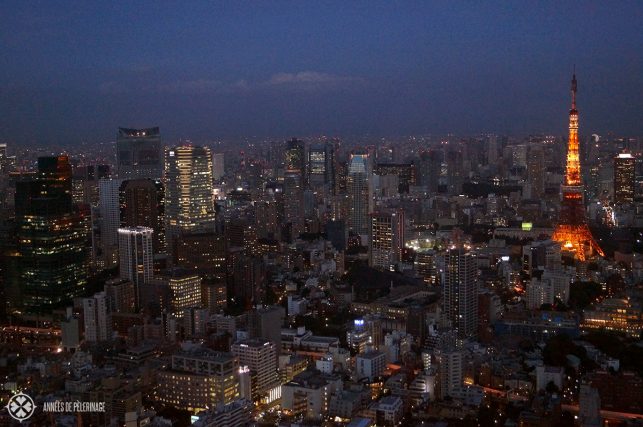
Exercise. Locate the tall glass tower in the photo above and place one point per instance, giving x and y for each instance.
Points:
(358, 187)
(189, 202)
(460, 292)
(294, 166)
(139, 153)
(53, 262)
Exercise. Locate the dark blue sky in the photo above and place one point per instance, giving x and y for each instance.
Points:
(72, 71)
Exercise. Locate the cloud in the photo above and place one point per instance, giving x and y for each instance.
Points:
(304, 81)
(192, 86)
(310, 79)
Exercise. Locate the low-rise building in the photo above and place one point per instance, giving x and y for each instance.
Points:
(237, 413)
(198, 379)
(370, 365)
(309, 393)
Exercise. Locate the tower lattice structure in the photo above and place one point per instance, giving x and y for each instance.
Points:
(572, 231)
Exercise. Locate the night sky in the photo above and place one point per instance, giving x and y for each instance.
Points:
(75, 71)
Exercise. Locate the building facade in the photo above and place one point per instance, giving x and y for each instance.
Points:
(460, 292)
(52, 256)
(139, 153)
(386, 239)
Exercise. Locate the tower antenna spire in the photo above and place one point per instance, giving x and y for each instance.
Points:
(574, 89)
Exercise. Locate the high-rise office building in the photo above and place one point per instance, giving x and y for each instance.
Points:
(85, 183)
(110, 219)
(218, 165)
(53, 262)
(3, 158)
(460, 292)
(455, 171)
(425, 266)
(624, 178)
(121, 294)
(260, 356)
(240, 233)
(136, 256)
(321, 164)
(267, 217)
(266, 323)
(405, 172)
(386, 239)
(316, 168)
(536, 171)
(185, 287)
(428, 169)
(358, 183)
(189, 203)
(142, 204)
(98, 321)
(204, 253)
(492, 149)
(332, 153)
(248, 281)
(6, 189)
(139, 153)
(294, 169)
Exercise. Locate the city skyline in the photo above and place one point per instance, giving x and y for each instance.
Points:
(208, 71)
(350, 215)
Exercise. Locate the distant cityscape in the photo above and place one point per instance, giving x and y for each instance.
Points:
(427, 280)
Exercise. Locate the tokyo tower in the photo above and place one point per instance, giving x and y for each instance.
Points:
(572, 231)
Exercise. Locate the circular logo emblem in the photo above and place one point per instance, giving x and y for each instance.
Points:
(21, 407)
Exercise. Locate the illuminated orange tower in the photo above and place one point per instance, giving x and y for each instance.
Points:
(572, 231)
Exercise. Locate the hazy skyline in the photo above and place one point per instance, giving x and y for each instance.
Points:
(75, 71)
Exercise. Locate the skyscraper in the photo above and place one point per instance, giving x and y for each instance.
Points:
(139, 153)
(316, 167)
(110, 219)
(53, 264)
(624, 178)
(98, 322)
(3, 158)
(492, 149)
(321, 164)
(405, 173)
(189, 203)
(266, 322)
(460, 292)
(455, 171)
(136, 256)
(185, 286)
(536, 171)
(294, 186)
(85, 183)
(572, 231)
(218, 165)
(359, 190)
(142, 203)
(425, 265)
(386, 239)
(428, 169)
